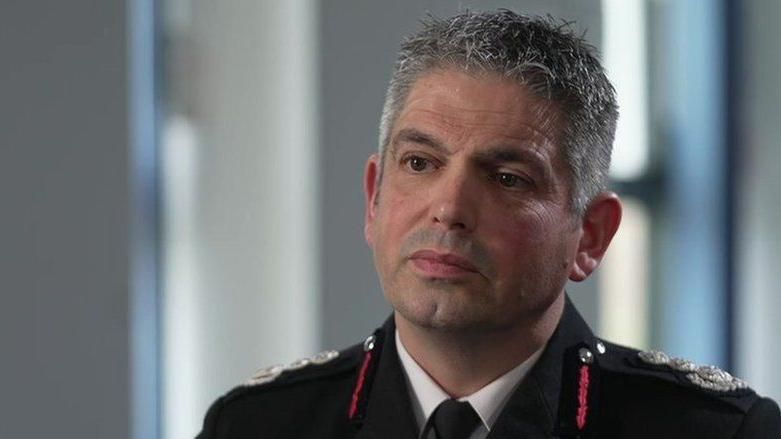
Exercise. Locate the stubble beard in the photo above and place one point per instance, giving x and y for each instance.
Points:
(445, 306)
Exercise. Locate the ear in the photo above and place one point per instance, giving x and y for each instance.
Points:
(599, 225)
(371, 191)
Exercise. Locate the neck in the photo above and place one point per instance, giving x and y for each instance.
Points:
(463, 362)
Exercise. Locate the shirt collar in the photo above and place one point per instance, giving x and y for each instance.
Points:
(488, 402)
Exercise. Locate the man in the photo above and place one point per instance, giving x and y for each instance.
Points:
(488, 193)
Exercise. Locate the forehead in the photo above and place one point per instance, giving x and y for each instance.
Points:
(465, 105)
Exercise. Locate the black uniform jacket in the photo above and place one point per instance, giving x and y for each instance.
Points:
(581, 387)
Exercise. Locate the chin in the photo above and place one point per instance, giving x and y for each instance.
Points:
(444, 314)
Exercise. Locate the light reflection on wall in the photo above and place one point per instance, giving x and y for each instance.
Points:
(240, 211)
(624, 52)
(623, 281)
(181, 312)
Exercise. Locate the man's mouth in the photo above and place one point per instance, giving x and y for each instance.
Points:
(442, 264)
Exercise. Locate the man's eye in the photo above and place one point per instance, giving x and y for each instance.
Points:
(417, 164)
(509, 180)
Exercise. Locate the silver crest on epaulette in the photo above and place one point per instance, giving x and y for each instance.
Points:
(654, 357)
(298, 364)
(707, 377)
(713, 378)
(269, 374)
(682, 365)
(324, 357)
(265, 375)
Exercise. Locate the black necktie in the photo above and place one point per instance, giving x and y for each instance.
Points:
(454, 420)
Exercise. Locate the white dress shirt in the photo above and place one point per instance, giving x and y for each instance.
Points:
(488, 402)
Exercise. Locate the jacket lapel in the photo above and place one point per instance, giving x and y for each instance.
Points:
(531, 412)
(389, 411)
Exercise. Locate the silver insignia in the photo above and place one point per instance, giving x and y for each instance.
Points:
(585, 355)
(682, 365)
(368, 345)
(601, 347)
(706, 377)
(269, 374)
(265, 375)
(324, 357)
(713, 378)
(654, 357)
(298, 364)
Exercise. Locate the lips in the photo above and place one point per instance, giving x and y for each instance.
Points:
(442, 264)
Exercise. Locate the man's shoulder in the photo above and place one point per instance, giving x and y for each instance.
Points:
(312, 387)
(680, 394)
(658, 371)
(320, 369)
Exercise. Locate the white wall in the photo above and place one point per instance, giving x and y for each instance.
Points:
(65, 193)
(241, 191)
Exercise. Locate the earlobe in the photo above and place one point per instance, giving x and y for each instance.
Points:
(583, 266)
(370, 189)
(599, 225)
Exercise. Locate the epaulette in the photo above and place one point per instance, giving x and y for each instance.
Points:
(319, 366)
(590, 364)
(704, 379)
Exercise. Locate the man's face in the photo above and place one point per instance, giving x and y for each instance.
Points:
(471, 226)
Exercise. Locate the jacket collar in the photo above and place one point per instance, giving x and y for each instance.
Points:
(533, 408)
(388, 411)
(531, 411)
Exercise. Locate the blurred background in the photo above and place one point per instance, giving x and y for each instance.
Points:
(180, 184)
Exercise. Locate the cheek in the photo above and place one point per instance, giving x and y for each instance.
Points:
(401, 206)
(545, 223)
(536, 236)
(517, 230)
(396, 217)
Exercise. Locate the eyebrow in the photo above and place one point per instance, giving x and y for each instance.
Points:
(500, 153)
(505, 154)
(413, 135)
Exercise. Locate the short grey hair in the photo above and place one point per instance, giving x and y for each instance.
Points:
(543, 55)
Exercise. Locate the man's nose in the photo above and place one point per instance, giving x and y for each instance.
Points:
(454, 202)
